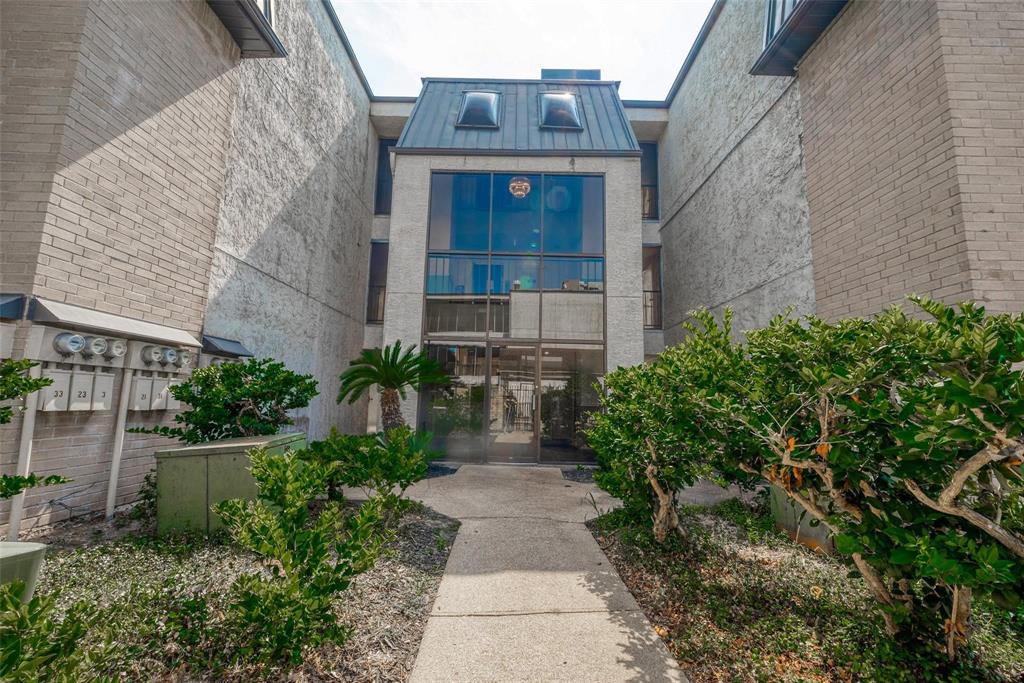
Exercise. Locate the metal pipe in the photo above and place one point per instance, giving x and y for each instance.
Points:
(122, 419)
(28, 426)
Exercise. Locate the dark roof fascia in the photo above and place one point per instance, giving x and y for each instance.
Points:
(645, 104)
(691, 57)
(802, 28)
(553, 81)
(12, 306)
(394, 98)
(461, 152)
(219, 346)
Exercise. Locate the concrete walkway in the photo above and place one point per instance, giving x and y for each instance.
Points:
(527, 594)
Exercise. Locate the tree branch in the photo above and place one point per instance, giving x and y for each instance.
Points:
(1006, 537)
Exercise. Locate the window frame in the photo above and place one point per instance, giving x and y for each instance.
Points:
(548, 126)
(426, 337)
(384, 147)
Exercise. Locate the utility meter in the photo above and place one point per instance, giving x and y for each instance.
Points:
(116, 348)
(151, 354)
(68, 344)
(184, 358)
(95, 346)
(168, 355)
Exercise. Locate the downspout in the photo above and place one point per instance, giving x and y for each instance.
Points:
(28, 426)
(122, 419)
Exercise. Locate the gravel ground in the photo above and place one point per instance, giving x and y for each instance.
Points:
(136, 579)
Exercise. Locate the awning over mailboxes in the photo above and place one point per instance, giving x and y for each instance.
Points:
(44, 311)
(11, 306)
(218, 346)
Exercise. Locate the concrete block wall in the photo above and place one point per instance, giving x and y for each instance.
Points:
(734, 214)
(115, 134)
(291, 257)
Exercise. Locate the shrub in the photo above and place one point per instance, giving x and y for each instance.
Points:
(15, 384)
(902, 436)
(275, 615)
(248, 398)
(37, 646)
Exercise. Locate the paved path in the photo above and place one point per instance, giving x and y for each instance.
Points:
(527, 594)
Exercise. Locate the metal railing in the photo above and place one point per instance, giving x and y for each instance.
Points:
(375, 303)
(652, 309)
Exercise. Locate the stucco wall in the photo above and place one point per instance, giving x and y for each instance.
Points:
(734, 214)
(408, 239)
(115, 130)
(292, 249)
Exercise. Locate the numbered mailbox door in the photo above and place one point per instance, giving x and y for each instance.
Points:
(81, 391)
(159, 394)
(173, 403)
(55, 396)
(142, 393)
(103, 391)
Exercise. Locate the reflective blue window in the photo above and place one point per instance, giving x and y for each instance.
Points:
(514, 273)
(573, 214)
(516, 214)
(459, 211)
(574, 274)
(456, 274)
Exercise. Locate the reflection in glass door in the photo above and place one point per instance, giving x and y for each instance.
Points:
(512, 428)
(568, 374)
(455, 412)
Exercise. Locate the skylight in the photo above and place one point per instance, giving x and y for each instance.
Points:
(479, 109)
(559, 110)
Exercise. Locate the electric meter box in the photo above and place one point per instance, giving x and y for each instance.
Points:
(142, 394)
(81, 390)
(173, 403)
(103, 391)
(159, 393)
(55, 397)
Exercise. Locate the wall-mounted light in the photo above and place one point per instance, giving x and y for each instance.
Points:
(519, 186)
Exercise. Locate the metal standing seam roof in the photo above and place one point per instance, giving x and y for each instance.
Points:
(431, 127)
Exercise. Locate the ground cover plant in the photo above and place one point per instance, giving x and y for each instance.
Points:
(901, 435)
(737, 601)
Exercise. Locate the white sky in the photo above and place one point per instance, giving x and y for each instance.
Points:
(642, 44)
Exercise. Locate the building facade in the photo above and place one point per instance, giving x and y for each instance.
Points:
(218, 177)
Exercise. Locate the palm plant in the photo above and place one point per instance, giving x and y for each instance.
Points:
(393, 370)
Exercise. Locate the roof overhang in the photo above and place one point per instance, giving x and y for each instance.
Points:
(647, 118)
(12, 306)
(463, 152)
(807, 21)
(389, 114)
(219, 346)
(248, 26)
(76, 317)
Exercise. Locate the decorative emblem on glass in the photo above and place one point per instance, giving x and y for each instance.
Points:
(519, 186)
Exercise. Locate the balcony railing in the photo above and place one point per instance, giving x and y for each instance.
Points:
(652, 309)
(375, 304)
(649, 202)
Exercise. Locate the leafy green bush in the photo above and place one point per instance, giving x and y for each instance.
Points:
(901, 436)
(36, 645)
(16, 384)
(248, 398)
(311, 559)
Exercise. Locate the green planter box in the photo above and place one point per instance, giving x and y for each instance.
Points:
(191, 479)
(790, 518)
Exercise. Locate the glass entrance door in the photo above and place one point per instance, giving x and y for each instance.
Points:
(569, 374)
(512, 404)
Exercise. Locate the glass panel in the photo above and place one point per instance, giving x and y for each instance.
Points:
(568, 399)
(515, 303)
(511, 420)
(479, 109)
(454, 413)
(574, 274)
(559, 110)
(456, 274)
(652, 287)
(378, 282)
(574, 214)
(516, 218)
(459, 208)
(466, 316)
(382, 197)
(572, 304)
(649, 180)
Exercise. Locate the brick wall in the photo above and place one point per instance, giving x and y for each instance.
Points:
(885, 210)
(983, 59)
(116, 118)
(913, 119)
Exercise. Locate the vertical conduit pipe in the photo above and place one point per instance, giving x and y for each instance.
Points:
(28, 427)
(122, 418)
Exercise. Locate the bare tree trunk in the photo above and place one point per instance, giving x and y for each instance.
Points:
(391, 409)
(958, 626)
(665, 517)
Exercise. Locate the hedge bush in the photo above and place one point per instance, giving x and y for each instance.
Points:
(902, 436)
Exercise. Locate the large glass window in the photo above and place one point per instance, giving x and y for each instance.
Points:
(649, 180)
(652, 288)
(377, 289)
(382, 196)
(497, 240)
